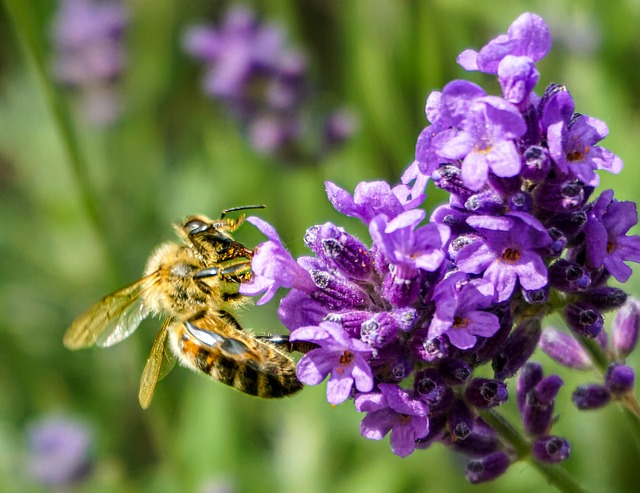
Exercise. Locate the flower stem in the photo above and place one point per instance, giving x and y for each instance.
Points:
(21, 16)
(555, 474)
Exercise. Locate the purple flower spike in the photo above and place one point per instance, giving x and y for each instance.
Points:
(625, 328)
(508, 252)
(551, 449)
(393, 410)
(564, 349)
(457, 311)
(274, 267)
(527, 36)
(338, 355)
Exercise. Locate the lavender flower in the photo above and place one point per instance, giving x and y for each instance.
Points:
(89, 54)
(456, 311)
(393, 409)
(339, 355)
(263, 83)
(59, 451)
(508, 252)
(423, 306)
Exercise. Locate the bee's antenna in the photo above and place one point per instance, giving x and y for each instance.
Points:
(241, 208)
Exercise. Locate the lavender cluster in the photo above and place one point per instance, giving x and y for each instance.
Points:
(89, 54)
(264, 85)
(403, 324)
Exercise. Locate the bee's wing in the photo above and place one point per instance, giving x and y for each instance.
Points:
(159, 363)
(111, 319)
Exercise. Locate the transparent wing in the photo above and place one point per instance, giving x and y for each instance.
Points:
(159, 363)
(111, 319)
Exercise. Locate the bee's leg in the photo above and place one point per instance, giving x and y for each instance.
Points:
(282, 342)
(236, 273)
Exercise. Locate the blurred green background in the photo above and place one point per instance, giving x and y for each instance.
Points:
(174, 153)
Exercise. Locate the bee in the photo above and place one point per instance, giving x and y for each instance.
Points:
(192, 285)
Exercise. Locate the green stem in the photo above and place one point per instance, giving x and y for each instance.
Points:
(555, 475)
(22, 17)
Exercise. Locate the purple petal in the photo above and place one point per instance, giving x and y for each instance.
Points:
(461, 339)
(338, 388)
(475, 258)
(362, 375)
(377, 424)
(503, 278)
(314, 366)
(402, 440)
(370, 402)
(531, 271)
(483, 324)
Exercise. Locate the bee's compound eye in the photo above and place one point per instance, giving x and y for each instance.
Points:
(195, 226)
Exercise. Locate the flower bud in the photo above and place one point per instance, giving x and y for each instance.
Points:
(536, 296)
(337, 247)
(584, 319)
(351, 321)
(530, 375)
(564, 349)
(431, 388)
(569, 224)
(537, 412)
(619, 379)
(605, 298)
(461, 421)
(519, 346)
(426, 349)
(560, 196)
(520, 201)
(487, 468)
(551, 449)
(481, 441)
(568, 276)
(337, 293)
(447, 177)
(486, 202)
(536, 164)
(625, 329)
(591, 396)
(454, 371)
(485, 393)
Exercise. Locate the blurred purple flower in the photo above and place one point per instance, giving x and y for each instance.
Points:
(264, 83)
(59, 452)
(89, 53)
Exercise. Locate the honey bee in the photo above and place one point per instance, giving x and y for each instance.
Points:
(192, 284)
